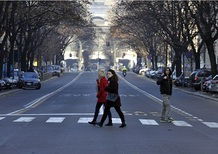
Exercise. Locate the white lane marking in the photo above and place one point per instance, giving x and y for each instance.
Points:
(148, 122)
(101, 110)
(211, 124)
(123, 95)
(52, 114)
(55, 120)
(45, 97)
(116, 121)
(1, 118)
(85, 120)
(24, 119)
(182, 124)
(155, 99)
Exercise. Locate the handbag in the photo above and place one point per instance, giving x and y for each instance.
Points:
(112, 97)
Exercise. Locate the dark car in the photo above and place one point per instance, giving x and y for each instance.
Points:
(56, 70)
(198, 78)
(30, 80)
(182, 81)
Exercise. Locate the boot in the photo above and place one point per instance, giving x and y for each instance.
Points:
(109, 124)
(122, 125)
(92, 122)
(99, 124)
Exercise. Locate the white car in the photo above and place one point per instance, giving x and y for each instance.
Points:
(213, 87)
(143, 70)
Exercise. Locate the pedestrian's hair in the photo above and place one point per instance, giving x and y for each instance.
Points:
(167, 68)
(114, 74)
(101, 73)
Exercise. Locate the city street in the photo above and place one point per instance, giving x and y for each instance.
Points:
(54, 120)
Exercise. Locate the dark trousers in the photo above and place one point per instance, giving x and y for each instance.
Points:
(97, 108)
(107, 110)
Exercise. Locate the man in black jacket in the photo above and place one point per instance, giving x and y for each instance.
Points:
(165, 83)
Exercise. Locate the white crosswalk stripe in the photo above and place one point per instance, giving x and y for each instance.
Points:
(211, 124)
(24, 119)
(148, 122)
(87, 119)
(55, 120)
(1, 118)
(84, 120)
(182, 124)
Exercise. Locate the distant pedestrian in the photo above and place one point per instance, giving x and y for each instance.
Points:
(101, 96)
(113, 98)
(165, 82)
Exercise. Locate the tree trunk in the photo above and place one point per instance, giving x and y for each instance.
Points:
(9, 64)
(197, 60)
(178, 61)
(1, 65)
(23, 61)
(212, 57)
(156, 62)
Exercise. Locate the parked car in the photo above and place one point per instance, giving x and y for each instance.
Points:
(10, 82)
(143, 70)
(30, 80)
(2, 84)
(206, 84)
(56, 70)
(150, 73)
(213, 87)
(136, 69)
(182, 81)
(198, 78)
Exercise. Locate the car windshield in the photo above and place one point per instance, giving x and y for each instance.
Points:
(30, 75)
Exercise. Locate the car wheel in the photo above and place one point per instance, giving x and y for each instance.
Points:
(38, 87)
(197, 88)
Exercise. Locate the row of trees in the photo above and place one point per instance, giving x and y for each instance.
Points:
(152, 26)
(32, 30)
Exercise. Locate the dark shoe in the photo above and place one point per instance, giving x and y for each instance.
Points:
(123, 125)
(109, 124)
(92, 122)
(99, 124)
(163, 120)
(169, 119)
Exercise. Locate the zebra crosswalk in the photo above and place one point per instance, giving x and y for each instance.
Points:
(85, 120)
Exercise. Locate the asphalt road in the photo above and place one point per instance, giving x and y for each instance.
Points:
(53, 120)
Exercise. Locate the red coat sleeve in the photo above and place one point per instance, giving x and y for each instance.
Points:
(103, 83)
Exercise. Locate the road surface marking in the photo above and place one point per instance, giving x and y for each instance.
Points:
(101, 110)
(55, 120)
(24, 119)
(181, 123)
(155, 99)
(211, 124)
(85, 120)
(116, 121)
(148, 122)
(40, 100)
(1, 118)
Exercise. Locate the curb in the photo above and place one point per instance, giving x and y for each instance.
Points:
(186, 91)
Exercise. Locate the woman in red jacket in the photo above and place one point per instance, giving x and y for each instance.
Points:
(102, 83)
